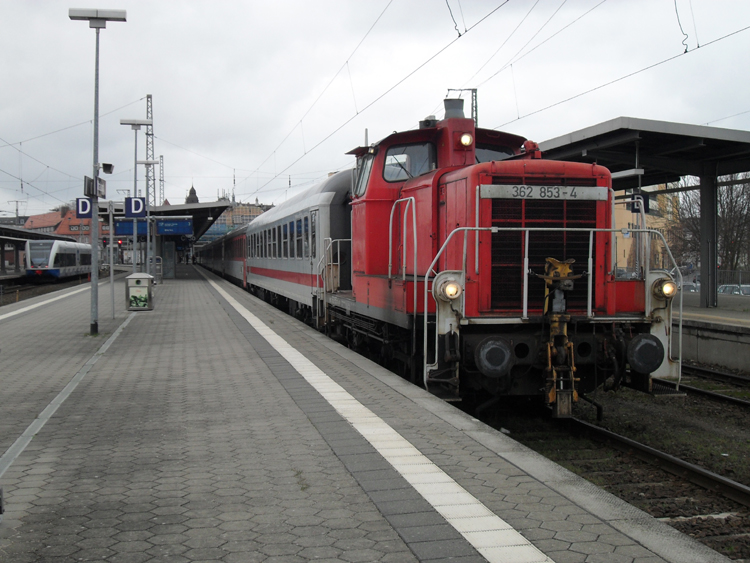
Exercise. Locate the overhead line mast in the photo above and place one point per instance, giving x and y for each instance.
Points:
(150, 179)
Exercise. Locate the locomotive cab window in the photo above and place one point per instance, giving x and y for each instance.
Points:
(408, 161)
(488, 153)
(365, 167)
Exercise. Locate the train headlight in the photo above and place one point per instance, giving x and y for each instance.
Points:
(466, 139)
(664, 288)
(448, 286)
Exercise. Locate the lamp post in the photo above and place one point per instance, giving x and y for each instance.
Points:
(135, 125)
(97, 20)
(148, 216)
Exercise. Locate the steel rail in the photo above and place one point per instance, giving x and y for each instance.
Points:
(693, 473)
(703, 393)
(716, 375)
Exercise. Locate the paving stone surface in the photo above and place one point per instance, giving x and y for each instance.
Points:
(192, 439)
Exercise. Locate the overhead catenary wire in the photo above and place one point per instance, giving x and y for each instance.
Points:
(380, 97)
(325, 89)
(518, 58)
(649, 67)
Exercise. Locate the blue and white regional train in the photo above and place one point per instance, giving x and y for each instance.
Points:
(57, 259)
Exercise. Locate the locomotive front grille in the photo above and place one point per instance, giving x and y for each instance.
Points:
(508, 249)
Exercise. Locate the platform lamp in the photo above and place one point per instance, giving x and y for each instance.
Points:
(148, 217)
(135, 125)
(97, 20)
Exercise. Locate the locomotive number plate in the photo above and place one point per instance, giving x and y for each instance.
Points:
(520, 191)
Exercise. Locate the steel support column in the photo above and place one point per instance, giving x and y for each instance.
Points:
(709, 218)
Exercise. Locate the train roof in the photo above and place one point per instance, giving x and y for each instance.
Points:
(333, 190)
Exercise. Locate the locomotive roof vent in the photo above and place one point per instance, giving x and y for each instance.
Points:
(454, 108)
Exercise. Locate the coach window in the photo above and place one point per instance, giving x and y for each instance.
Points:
(299, 238)
(407, 161)
(306, 240)
(278, 237)
(291, 239)
(275, 243)
(313, 220)
(285, 239)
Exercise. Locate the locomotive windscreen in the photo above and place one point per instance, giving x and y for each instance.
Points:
(508, 249)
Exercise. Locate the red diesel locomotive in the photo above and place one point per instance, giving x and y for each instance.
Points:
(460, 257)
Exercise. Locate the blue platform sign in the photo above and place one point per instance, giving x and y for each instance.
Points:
(125, 228)
(174, 227)
(83, 208)
(135, 207)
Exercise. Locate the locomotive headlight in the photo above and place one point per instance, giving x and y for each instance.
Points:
(466, 139)
(664, 288)
(449, 289)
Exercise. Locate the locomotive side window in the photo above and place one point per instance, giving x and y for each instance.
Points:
(407, 161)
(488, 153)
(365, 167)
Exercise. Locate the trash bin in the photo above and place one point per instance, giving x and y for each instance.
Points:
(139, 288)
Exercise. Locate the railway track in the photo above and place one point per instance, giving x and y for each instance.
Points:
(643, 459)
(693, 473)
(709, 383)
(14, 293)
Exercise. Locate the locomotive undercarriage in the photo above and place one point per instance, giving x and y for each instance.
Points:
(490, 362)
(545, 361)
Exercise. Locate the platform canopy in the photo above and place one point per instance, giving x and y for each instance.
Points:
(17, 234)
(663, 150)
(203, 214)
(644, 152)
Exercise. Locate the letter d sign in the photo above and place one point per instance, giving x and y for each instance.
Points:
(83, 208)
(135, 207)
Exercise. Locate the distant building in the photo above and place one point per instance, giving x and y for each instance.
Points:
(234, 217)
(662, 214)
(14, 221)
(192, 197)
(63, 221)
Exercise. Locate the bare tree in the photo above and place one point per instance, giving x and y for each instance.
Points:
(733, 222)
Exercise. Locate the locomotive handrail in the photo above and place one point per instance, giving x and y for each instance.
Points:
(410, 203)
(527, 230)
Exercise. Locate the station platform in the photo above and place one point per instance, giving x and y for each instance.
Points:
(216, 428)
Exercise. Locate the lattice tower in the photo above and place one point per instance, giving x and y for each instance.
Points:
(161, 179)
(150, 179)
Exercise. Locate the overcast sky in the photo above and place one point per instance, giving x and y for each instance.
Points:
(250, 97)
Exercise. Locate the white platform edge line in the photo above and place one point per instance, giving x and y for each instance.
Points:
(41, 303)
(315, 377)
(24, 439)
